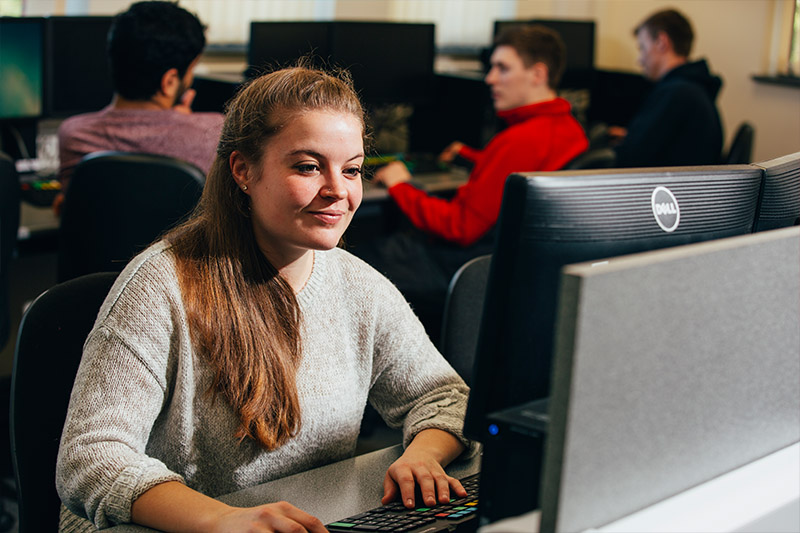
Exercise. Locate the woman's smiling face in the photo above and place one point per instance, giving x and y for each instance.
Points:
(308, 184)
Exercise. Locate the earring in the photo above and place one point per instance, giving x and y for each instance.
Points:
(244, 187)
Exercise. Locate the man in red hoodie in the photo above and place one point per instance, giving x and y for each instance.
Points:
(526, 66)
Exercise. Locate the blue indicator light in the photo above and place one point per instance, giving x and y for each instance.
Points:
(493, 429)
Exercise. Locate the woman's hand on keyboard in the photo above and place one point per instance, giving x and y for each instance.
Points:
(172, 506)
(421, 465)
(273, 517)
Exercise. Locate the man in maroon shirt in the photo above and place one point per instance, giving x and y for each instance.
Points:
(153, 49)
(526, 66)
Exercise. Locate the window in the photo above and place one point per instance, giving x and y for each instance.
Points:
(793, 67)
(458, 23)
(229, 22)
(784, 47)
(11, 8)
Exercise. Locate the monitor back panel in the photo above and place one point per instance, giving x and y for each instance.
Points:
(780, 195)
(671, 368)
(77, 74)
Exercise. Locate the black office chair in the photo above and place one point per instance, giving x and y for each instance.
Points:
(594, 158)
(462, 315)
(117, 203)
(741, 150)
(9, 225)
(48, 352)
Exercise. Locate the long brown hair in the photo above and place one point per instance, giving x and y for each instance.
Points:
(243, 316)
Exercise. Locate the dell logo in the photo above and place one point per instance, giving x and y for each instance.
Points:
(665, 209)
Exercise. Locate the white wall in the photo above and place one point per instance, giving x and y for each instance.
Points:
(734, 35)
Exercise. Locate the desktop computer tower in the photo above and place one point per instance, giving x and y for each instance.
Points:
(511, 465)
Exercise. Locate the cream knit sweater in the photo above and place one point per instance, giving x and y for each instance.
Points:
(140, 414)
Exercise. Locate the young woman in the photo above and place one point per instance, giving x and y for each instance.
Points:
(244, 345)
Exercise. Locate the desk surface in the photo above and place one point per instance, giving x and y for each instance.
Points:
(34, 220)
(429, 182)
(329, 492)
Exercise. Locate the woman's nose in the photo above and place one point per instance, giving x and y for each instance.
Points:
(334, 187)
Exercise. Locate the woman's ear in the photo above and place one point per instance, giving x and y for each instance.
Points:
(240, 170)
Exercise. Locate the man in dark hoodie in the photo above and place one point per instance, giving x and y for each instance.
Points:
(678, 123)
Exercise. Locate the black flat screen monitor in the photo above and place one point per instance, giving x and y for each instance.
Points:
(77, 77)
(780, 194)
(617, 96)
(21, 67)
(391, 62)
(549, 220)
(578, 36)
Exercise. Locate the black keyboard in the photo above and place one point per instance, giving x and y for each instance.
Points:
(460, 513)
(41, 191)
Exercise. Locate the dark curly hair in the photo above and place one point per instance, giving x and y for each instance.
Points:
(146, 41)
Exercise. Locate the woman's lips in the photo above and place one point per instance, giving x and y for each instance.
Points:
(328, 217)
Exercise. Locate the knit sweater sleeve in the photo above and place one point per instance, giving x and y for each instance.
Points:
(119, 391)
(412, 385)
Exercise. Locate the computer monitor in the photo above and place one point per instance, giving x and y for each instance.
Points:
(21, 67)
(77, 77)
(616, 96)
(391, 62)
(548, 220)
(21, 84)
(780, 194)
(578, 36)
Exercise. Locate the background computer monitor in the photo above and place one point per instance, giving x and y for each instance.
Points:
(780, 196)
(21, 84)
(616, 96)
(21, 67)
(551, 219)
(77, 77)
(578, 36)
(391, 62)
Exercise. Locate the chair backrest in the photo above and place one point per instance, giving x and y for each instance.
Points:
(594, 158)
(9, 224)
(118, 203)
(741, 150)
(48, 352)
(462, 314)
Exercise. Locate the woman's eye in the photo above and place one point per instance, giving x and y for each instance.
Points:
(307, 168)
(353, 172)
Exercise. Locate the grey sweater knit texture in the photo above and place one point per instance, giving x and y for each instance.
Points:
(140, 412)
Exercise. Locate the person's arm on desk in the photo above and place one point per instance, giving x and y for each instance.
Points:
(172, 506)
(392, 174)
(423, 463)
(450, 153)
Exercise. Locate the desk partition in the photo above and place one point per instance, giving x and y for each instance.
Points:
(672, 368)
